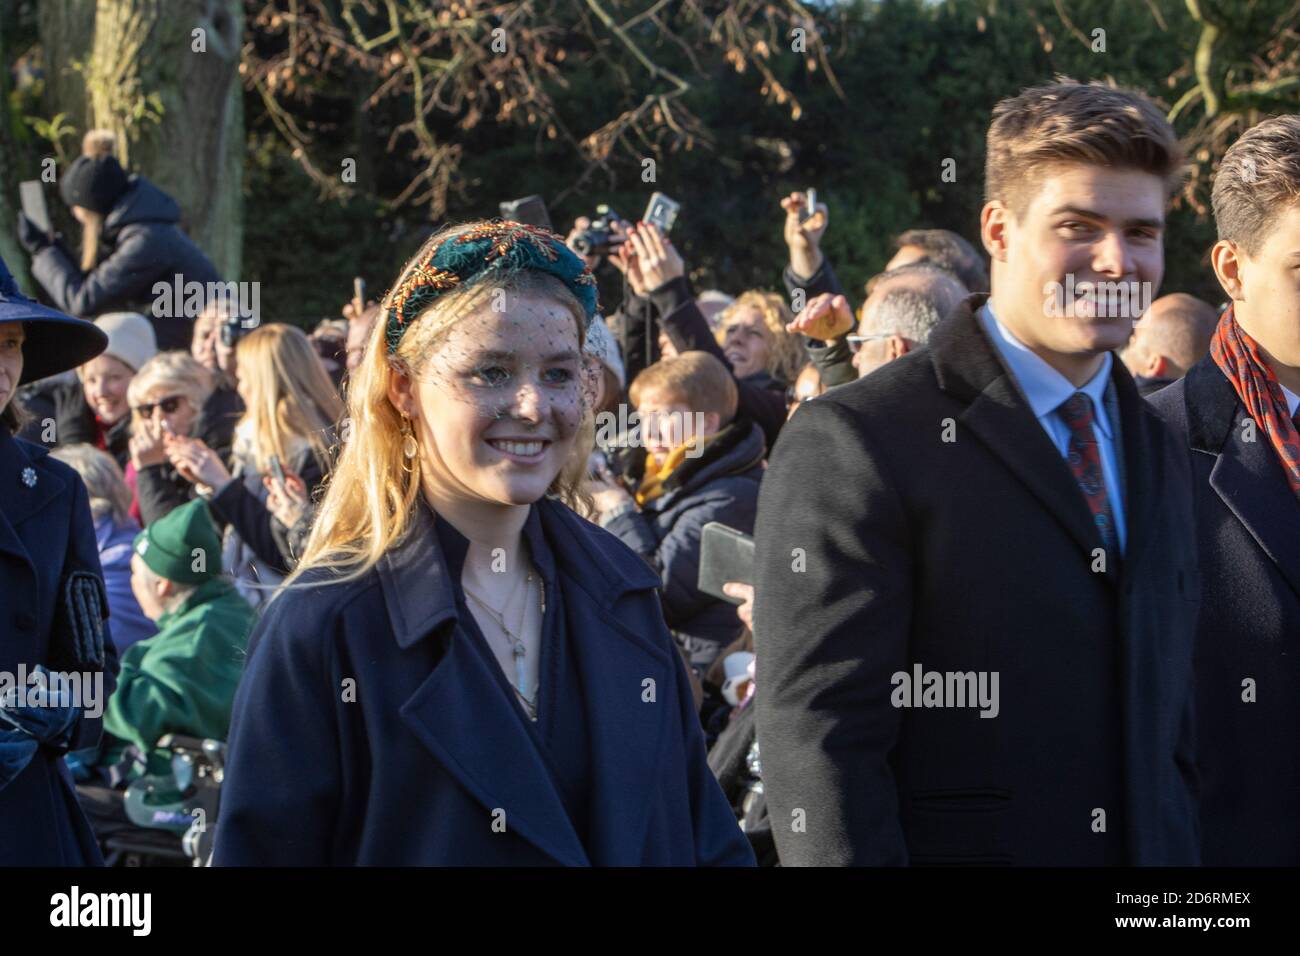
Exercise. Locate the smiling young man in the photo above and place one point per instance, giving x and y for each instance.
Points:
(1237, 413)
(1001, 502)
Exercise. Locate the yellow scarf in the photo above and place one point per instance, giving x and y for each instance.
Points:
(652, 485)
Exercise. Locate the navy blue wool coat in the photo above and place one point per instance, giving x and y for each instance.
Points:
(432, 761)
(1248, 532)
(46, 532)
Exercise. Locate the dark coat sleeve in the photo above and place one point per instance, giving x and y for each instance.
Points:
(688, 330)
(719, 841)
(833, 595)
(280, 799)
(82, 554)
(676, 556)
(634, 319)
(158, 491)
(833, 359)
(126, 274)
(236, 505)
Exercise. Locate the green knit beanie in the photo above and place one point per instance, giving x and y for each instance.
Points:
(183, 545)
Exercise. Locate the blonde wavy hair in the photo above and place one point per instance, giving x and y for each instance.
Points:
(175, 372)
(290, 400)
(371, 496)
(785, 352)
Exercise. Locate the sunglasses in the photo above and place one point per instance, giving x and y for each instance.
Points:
(857, 341)
(168, 406)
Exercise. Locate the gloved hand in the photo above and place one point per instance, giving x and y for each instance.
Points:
(45, 722)
(30, 235)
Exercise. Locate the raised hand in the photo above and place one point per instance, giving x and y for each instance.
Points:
(825, 317)
(804, 238)
(658, 260)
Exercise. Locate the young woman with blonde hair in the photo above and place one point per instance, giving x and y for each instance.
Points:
(461, 671)
(291, 416)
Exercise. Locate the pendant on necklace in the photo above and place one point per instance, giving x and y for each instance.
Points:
(521, 671)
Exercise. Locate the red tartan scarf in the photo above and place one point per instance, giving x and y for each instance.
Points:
(1239, 358)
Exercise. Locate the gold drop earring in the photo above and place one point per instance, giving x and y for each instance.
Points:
(409, 447)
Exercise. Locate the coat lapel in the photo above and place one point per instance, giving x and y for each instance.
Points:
(462, 716)
(1143, 460)
(627, 677)
(461, 713)
(1246, 474)
(967, 367)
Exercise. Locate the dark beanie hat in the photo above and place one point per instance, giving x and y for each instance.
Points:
(94, 182)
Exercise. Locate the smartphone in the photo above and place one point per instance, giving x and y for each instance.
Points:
(530, 210)
(32, 196)
(276, 469)
(725, 555)
(662, 212)
(809, 205)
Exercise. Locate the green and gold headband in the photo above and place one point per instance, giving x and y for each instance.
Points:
(498, 247)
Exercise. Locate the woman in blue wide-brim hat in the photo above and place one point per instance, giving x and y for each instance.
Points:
(53, 613)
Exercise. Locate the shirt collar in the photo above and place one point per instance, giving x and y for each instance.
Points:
(1043, 386)
(1292, 400)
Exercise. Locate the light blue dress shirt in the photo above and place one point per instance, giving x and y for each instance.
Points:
(1292, 400)
(1046, 389)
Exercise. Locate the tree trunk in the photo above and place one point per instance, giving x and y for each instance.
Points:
(67, 31)
(181, 55)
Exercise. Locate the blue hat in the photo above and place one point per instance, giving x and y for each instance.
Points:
(53, 342)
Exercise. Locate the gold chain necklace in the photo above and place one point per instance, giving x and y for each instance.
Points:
(517, 647)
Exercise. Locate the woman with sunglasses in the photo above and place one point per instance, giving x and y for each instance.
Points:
(167, 397)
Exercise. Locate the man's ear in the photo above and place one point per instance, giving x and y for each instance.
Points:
(896, 346)
(995, 220)
(1155, 366)
(1226, 258)
(163, 588)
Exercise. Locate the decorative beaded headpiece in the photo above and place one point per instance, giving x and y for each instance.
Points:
(497, 247)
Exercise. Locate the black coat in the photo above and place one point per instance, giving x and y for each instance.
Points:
(720, 485)
(46, 533)
(880, 547)
(1248, 528)
(146, 246)
(431, 749)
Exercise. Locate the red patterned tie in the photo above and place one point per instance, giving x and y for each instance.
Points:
(1085, 461)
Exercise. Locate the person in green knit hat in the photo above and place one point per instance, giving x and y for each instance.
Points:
(183, 679)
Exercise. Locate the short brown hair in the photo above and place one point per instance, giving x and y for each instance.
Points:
(697, 380)
(1258, 180)
(1070, 122)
